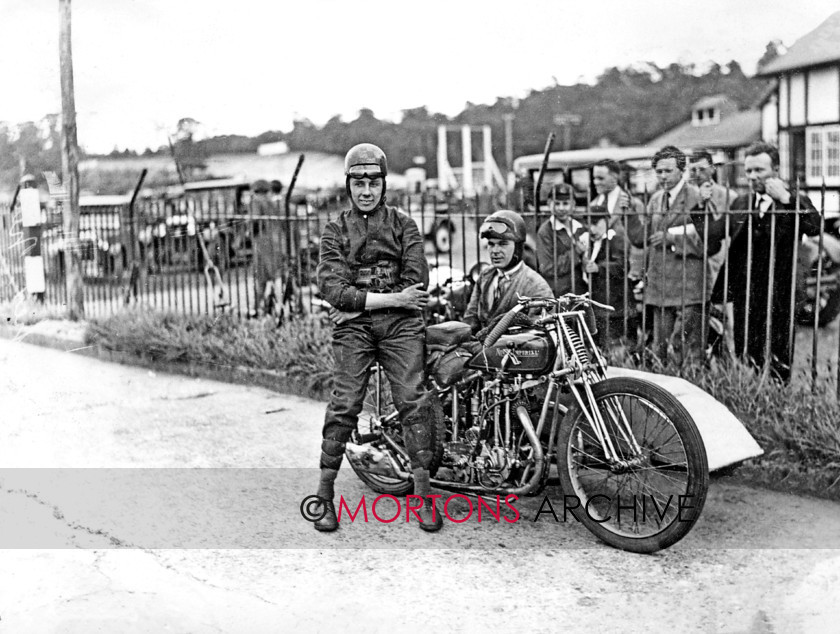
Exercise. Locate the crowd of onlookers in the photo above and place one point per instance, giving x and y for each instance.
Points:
(664, 261)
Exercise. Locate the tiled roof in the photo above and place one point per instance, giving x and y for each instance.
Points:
(734, 130)
(820, 46)
(710, 101)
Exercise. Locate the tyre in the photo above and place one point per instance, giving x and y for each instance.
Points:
(379, 416)
(443, 237)
(649, 499)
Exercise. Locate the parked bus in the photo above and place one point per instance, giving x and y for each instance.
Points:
(574, 167)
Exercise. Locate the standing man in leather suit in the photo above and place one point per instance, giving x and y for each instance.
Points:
(374, 274)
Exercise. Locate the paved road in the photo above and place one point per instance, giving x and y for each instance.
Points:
(136, 502)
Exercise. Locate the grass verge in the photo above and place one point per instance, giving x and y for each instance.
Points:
(298, 354)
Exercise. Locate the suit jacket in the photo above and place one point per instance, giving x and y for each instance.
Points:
(674, 271)
(555, 256)
(759, 264)
(711, 212)
(619, 220)
(525, 281)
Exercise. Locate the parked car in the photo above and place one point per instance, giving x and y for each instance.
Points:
(829, 291)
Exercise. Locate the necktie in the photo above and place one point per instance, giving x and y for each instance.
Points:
(500, 290)
(764, 203)
(666, 200)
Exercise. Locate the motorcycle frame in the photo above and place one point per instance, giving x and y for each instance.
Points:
(569, 370)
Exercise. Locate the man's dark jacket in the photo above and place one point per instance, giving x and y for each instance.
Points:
(385, 244)
(759, 272)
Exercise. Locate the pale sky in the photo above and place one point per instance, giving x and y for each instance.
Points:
(248, 66)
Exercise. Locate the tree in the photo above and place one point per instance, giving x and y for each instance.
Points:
(771, 52)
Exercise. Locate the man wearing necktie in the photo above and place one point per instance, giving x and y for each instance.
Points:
(674, 258)
(498, 287)
(749, 273)
(619, 209)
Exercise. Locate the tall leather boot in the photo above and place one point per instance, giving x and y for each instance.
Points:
(326, 491)
(430, 516)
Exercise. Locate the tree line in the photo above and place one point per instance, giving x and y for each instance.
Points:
(625, 106)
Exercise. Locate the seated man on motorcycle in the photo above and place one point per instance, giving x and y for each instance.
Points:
(373, 273)
(499, 286)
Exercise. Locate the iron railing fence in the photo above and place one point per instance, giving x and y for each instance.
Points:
(162, 254)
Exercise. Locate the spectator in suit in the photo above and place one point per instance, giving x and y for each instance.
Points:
(674, 258)
(752, 282)
(607, 283)
(715, 201)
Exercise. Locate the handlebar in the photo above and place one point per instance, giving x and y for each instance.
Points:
(564, 302)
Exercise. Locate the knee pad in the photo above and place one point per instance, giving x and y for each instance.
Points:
(332, 447)
(332, 453)
(422, 459)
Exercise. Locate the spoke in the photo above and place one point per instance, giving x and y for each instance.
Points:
(652, 494)
(660, 473)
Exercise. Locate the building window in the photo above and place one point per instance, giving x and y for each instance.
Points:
(832, 154)
(815, 162)
(705, 116)
(823, 155)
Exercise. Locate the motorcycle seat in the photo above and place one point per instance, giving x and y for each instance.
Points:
(448, 334)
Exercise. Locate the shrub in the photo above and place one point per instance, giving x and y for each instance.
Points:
(300, 349)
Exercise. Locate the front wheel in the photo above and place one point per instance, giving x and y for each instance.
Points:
(377, 451)
(642, 485)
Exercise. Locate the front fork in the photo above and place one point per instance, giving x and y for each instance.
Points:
(585, 398)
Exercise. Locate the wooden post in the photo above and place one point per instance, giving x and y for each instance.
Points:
(70, 169)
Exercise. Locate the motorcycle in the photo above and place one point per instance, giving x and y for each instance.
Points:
(807, 288)
(450, 292)
(533, 392)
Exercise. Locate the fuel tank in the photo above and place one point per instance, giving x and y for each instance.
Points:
(532, 352)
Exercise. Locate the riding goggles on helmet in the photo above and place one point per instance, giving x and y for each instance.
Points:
(495, 229)
(357, 172)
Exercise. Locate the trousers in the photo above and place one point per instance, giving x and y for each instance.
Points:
(395, 339)
(665, 331)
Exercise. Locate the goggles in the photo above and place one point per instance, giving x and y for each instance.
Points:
(357, 172)
(496, 229)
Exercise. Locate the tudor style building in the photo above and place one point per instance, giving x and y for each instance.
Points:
(802, 115)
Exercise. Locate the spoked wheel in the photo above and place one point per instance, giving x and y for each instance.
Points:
(377, 450)
(646, 489)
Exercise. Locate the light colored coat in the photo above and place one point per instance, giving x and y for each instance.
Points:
(674, 274)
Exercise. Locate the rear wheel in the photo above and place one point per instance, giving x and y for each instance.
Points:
(377, 450)
(649, 495)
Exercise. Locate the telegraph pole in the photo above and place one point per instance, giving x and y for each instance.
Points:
(566, 121)
(508, 119)
(70, 169)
